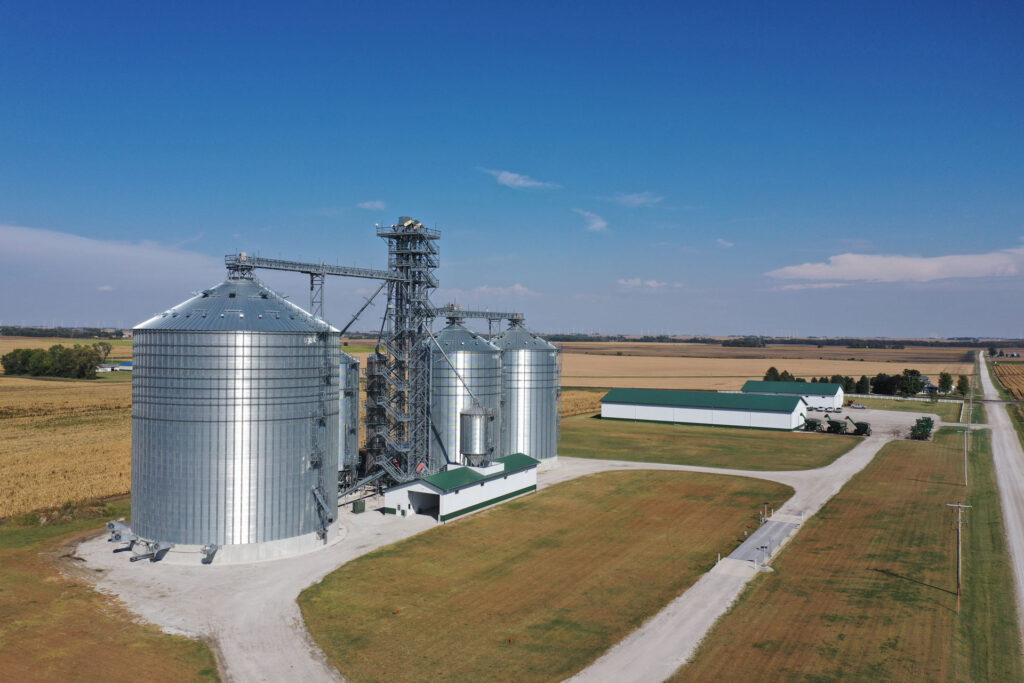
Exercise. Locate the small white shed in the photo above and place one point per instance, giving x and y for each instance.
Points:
(462, 489)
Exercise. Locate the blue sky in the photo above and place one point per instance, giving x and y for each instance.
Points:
(651, 167)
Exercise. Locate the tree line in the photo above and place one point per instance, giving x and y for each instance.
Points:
(909, 383)
(78, 362)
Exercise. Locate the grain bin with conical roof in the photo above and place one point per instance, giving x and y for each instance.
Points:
(235, 426)
(530, 392)
(478, 363)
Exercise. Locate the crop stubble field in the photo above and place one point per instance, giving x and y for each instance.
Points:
(729, 373)
(63, 441)
(1011, 375)
(867, 590)
(533, 589)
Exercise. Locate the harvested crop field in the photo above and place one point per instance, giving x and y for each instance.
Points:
(651, 372)
(63, 441)
(682, 444)
(536, 588)
(121, 349)
(772, 351)
(1011, 376)
(867, 589)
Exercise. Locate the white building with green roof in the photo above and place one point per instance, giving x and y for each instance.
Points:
(461, 489)
(705, 408)
(815, 394)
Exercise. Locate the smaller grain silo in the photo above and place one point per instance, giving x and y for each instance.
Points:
(530, 393)
(477, 365)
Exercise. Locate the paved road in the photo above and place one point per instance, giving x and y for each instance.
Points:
(1009, 461)
(249, 614)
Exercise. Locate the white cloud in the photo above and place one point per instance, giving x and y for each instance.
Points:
(57, 275)
(897, 268)
(635, 199)
(518, 180)
(373, 204)
(638, 284)
(812, 285)
(485, 290)
(594, 222)
(724, 243)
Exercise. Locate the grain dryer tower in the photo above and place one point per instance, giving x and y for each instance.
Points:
(234, 428)
(530, 393)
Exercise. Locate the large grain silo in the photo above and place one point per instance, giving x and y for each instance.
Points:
(530, 391)
(348, 418)
(235, 426)
(478, 363)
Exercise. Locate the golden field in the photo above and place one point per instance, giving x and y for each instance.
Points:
(63, 441)
(1011, 375)
(687, 372)
(121, 349)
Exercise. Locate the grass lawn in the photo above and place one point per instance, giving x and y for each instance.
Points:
(947, 412)
(867, 590)
(56, 628)
(536, 588)
(752, 449)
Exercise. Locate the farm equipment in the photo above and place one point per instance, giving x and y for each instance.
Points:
(812, 425)
(922, 429)
(836, 426)
(860, 428)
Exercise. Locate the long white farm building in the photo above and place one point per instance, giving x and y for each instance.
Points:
(705, 407)
(815, 394)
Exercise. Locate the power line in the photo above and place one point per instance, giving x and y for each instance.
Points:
(959, 547)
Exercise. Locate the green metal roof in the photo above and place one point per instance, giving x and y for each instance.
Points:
(702, 399)
(449, 480)
(801, 388)
(517, 462)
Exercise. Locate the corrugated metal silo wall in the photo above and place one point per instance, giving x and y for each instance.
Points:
(530, 386)
(222, 433)
(482, 372)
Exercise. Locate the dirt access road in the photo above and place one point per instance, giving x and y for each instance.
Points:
(1009, 461)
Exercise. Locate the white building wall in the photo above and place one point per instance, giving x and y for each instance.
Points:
(460, 499)
(618, 411)
(706, 416)
(397, 498)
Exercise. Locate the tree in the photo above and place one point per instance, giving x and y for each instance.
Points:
(992, 351)
(786, 377)
(886, 385)
(772, 375)
(945, 382)
(849, 385)
(910, 382)
(963, 385)
(104, 349)
(863, 385)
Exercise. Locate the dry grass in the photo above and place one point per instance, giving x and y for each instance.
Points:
(122, 348)
(535, 588)
(651, 372)
(867, 590)
(1011, 375)
(55, 627)
(580, 402)
(63, 441)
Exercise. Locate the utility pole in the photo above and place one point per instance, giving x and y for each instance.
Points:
(967, 434)
(959, 548)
